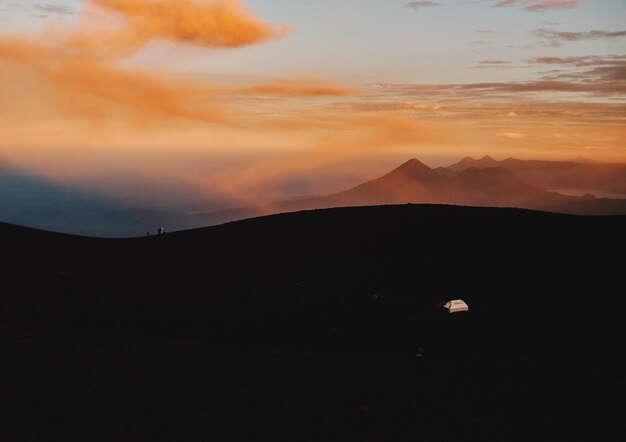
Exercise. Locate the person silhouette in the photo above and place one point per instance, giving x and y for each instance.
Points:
(161, 230)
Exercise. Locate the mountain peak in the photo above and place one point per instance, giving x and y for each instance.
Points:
(414, 170)
(467, 162)
(413, 165)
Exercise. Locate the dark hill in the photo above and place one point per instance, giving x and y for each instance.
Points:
(305, 326)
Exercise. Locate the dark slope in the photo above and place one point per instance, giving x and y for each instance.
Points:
(593, 206)
(268, 329)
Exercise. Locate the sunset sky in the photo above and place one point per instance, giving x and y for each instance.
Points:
(263, 99)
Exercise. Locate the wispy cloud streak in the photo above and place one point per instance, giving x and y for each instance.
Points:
(419, 5)
(49, 8)
(556, 38)
(541, 5)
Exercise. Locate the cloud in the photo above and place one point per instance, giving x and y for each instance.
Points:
(540, 86)
(603, 77)
(581, 61)
(419, 5)
(219, 23)
(80, 66)
(54, 9)
(506, 3)
(89, 88)
(494, 64)
(489, 100)
(301, 87)
(554, 4)
(596, 70)
(597, 82)
(78, 75)
(556, 38)
(511, 135)
(573, 61)
(71, 91)
(541, 5)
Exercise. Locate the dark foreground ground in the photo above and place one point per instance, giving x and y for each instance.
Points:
(305, 327)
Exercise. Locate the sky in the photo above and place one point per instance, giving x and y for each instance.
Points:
(258, 100)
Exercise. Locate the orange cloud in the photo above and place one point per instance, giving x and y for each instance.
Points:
(77, 72)
(511, 135)
(81, 64)
(300, 87)
(219, 23)
(93, 88)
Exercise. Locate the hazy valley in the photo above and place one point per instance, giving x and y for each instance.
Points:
(36, 202)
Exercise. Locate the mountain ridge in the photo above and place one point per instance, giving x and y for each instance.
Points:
(588, 176)
(31, 201)
(485, 182)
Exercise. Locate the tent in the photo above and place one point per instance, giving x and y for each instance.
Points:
(456, 306)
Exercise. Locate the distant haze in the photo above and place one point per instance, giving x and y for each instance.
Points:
(32, 201)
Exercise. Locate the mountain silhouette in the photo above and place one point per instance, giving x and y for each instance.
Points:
(462, 184)
(412, 181)
(605, 179)
(564, 187)
(497, 186)
(468, 162)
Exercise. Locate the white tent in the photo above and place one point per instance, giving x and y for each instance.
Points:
(456, 306)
